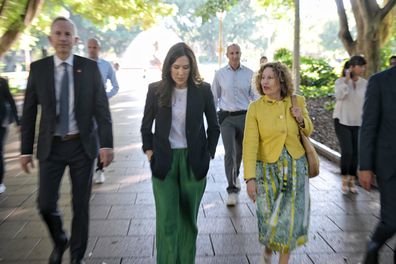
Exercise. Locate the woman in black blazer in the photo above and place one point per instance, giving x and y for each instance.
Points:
(8, 113)
(179, 151)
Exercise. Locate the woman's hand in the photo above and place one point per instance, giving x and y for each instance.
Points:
(149, 154)
(348, 74)
(251, 190)
(297, 113)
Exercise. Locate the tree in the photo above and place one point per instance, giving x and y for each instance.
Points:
(212, 6)
(327, 39)
(239, 24)
(296, 46)
(373, 25)
(17, 15)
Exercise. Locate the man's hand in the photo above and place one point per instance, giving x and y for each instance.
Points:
(25, 160)
(366, 179)
(149, 154)
(251, 190)
(106, 156)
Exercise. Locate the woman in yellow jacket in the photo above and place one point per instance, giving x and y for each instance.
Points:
(275, 166)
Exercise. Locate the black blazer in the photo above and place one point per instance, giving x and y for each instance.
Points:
(377, 134)
(90, 104)
(201, 146)
(6, 97)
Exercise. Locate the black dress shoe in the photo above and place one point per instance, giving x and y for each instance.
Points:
(371, 257)
(77, 261)
(57, 253)
(372, 253)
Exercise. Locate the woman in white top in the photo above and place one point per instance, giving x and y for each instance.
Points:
(349, 92)
(179, 150)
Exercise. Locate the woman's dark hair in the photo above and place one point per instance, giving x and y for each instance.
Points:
(346, 67)
(167, 83)
(282, 74)
(357, 60)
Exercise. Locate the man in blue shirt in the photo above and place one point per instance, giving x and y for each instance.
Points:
(232, 93)
(107, 73)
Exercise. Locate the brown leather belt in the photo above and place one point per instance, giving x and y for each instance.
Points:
(68, 137)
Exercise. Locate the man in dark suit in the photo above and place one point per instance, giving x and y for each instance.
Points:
(376, 154)
(71, 96)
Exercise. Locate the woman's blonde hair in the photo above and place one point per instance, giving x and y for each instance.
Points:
(282, 74)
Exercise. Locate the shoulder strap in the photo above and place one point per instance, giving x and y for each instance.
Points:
(294, 100)
(294, 103)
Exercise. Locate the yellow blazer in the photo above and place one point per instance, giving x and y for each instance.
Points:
(269, 127)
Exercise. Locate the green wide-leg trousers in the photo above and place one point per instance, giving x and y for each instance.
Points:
(177, 200)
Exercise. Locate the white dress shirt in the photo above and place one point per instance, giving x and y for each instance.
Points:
(59, 71)
(232, 90)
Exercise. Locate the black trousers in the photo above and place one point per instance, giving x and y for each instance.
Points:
(386, 228)
(71, 154)
(3, 133)
(348, 138)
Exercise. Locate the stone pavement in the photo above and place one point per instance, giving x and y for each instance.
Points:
(122, 228)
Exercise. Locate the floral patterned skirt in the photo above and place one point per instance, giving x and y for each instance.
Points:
(283, 203)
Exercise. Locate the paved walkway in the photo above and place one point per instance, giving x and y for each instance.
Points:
(122, 228)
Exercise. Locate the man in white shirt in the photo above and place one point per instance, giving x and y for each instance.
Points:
(107, 73)
(232, 93)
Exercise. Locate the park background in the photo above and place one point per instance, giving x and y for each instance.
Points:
(137, 35)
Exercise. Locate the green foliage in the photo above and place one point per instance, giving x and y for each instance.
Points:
(329, 106)
(329, 37)
(389, 49)
(110, 13)
(124, 16)
(276, 3)
(240, 25)
(285, 56)
(317, 76)
(111, 41)
(279, 8)
(11, 15)
(14, 90)
(211, 7)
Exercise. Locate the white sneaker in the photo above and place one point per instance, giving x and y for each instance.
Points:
(238, 183)
(100, 177)
(2, 188)
(232, 199)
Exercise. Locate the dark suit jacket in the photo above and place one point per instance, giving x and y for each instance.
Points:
(201, 146)
(90, 103)
(377, 143)
(6, 97)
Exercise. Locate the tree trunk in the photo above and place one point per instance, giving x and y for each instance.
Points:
(15, 29)
(372, 46)
(3, 4)
(372, 32)
(296, 48)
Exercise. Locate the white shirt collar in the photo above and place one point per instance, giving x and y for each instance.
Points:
(58, 61)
